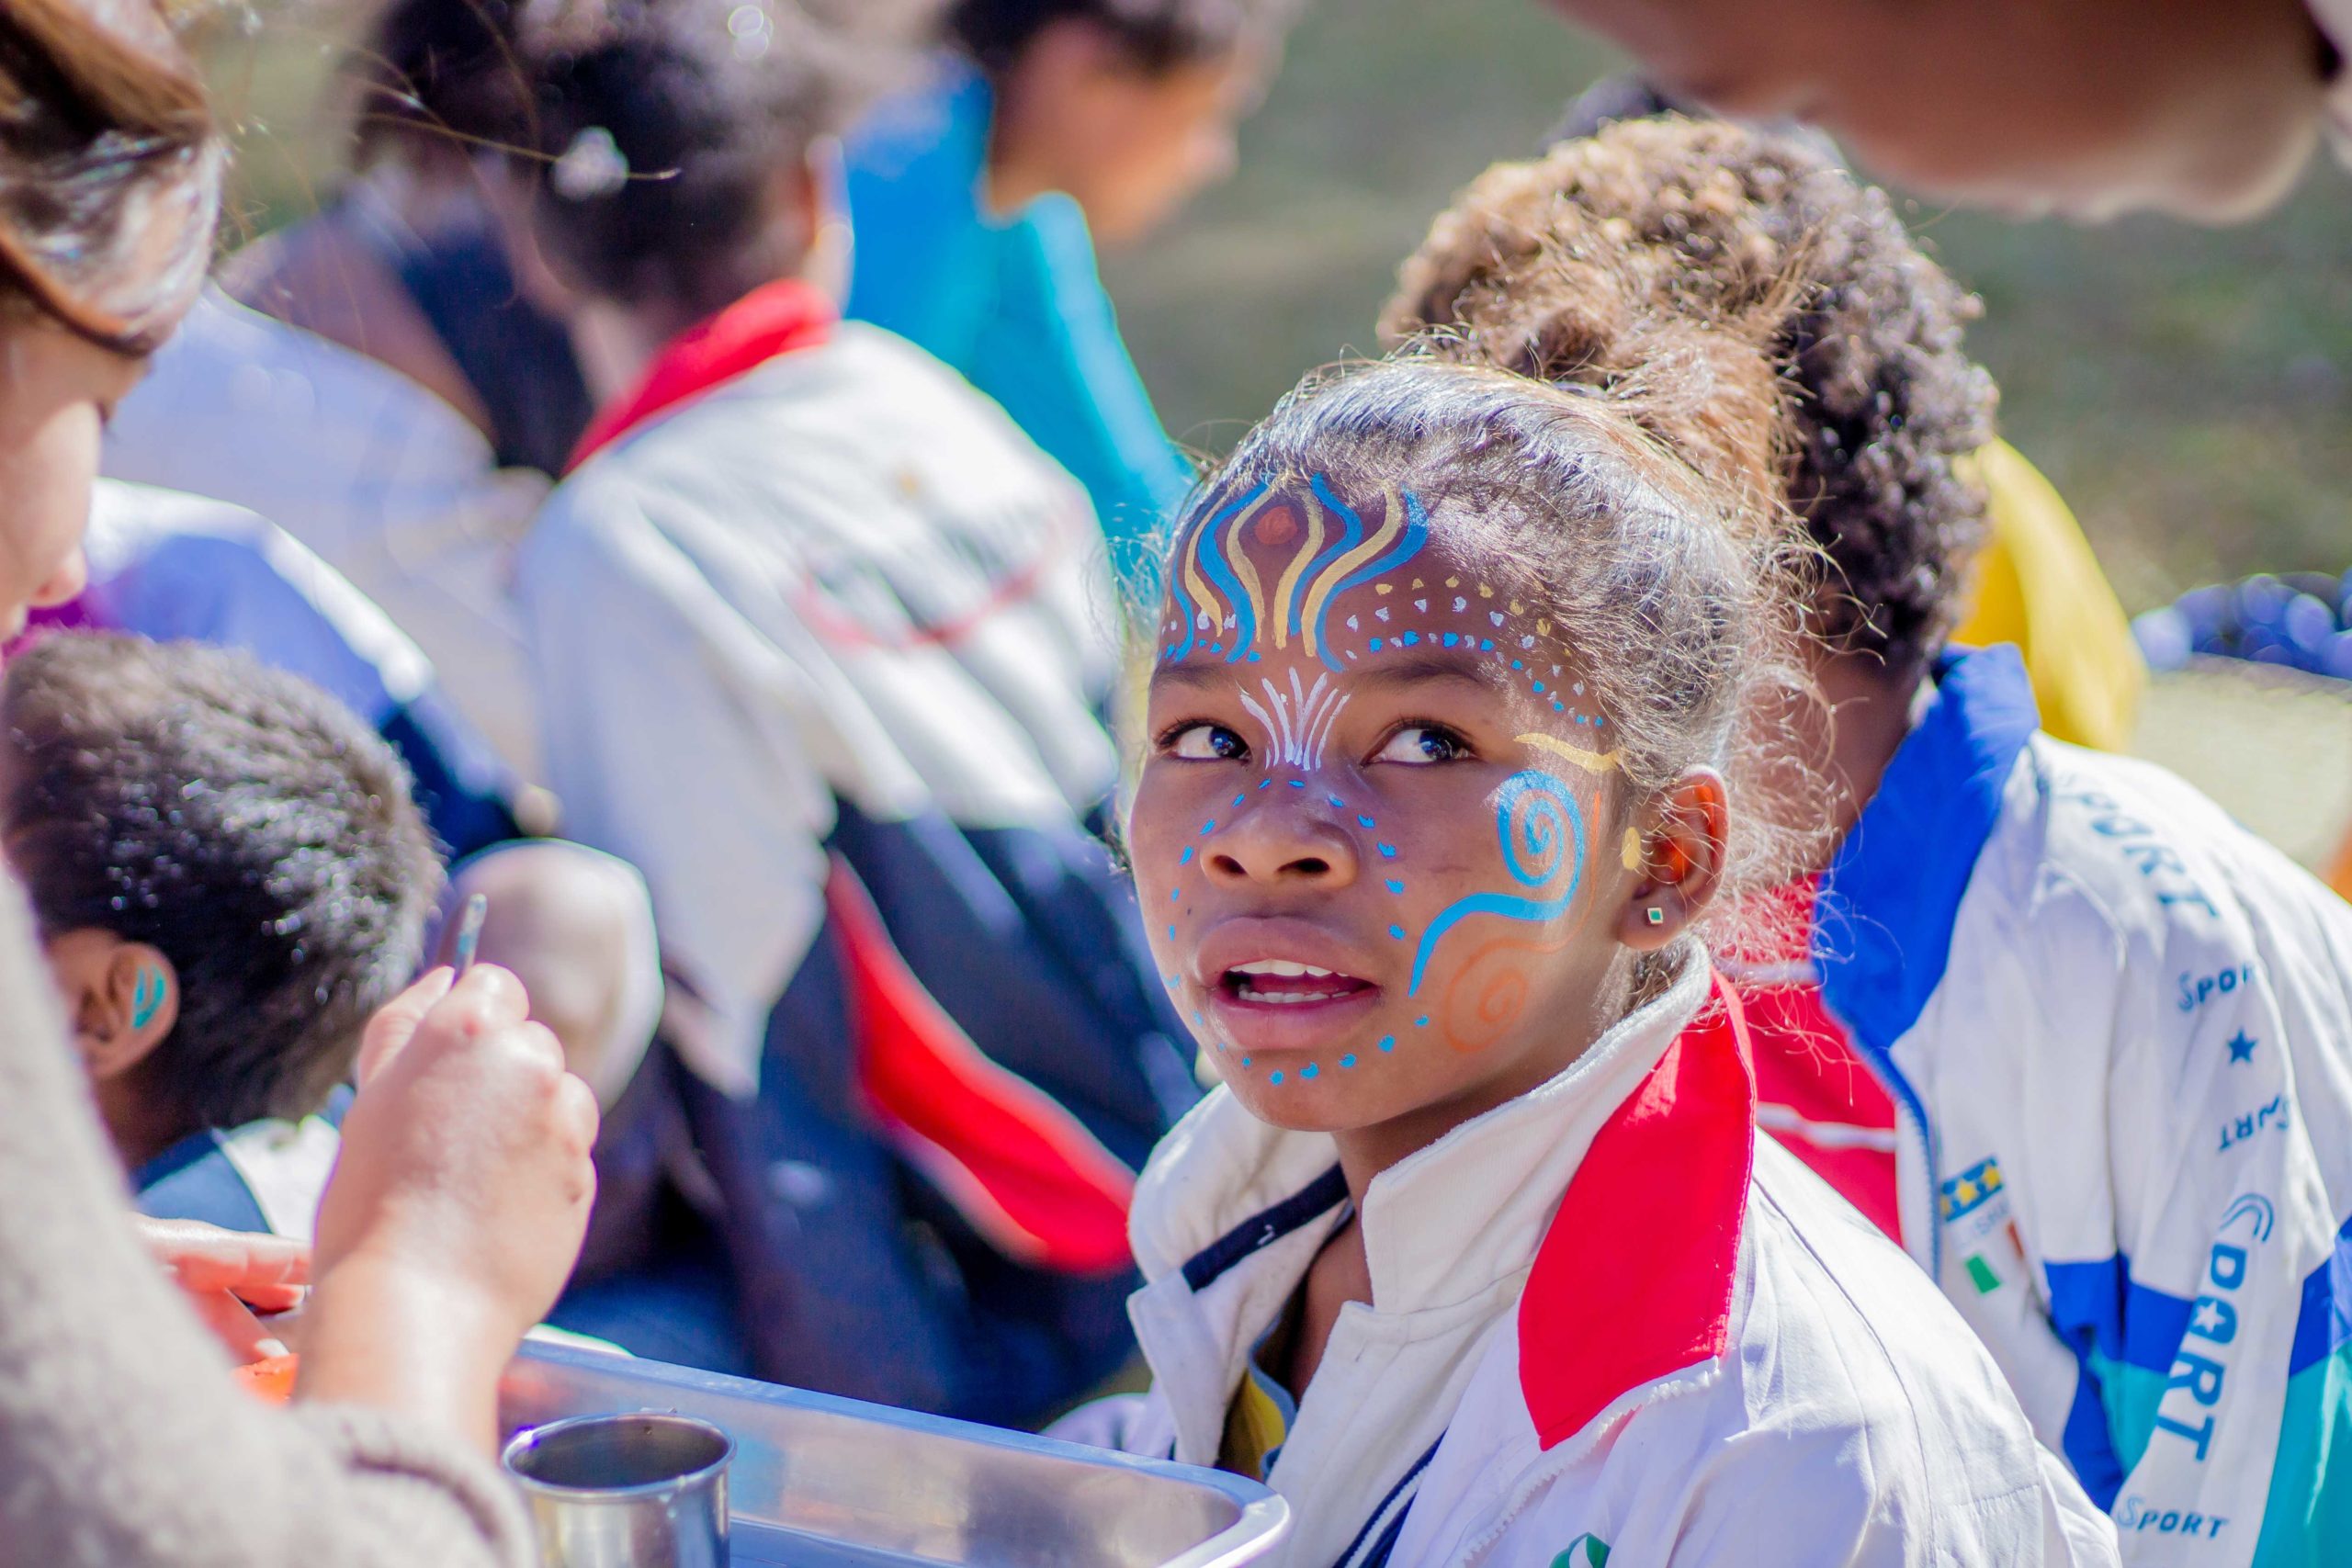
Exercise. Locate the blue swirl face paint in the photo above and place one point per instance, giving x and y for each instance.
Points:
(1541, 826)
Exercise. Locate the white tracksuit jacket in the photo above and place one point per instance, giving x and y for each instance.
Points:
(2117, 1028)
(1611, 1323)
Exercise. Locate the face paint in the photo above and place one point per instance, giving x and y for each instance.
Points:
(1299, 721)
(1318, 548)
(147, 993)
(1394, 692)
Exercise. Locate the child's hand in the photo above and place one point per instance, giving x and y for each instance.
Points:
(457, 1209)
(228, 1276)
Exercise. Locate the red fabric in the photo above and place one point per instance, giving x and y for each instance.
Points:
(1024, 1171)
(773, 319)
(1635, 1277)
(1815, 1092)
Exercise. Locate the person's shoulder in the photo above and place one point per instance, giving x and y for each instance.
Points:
(1848, 1415)
(2118, 862)
(1855, 1331)
(1846, 1345)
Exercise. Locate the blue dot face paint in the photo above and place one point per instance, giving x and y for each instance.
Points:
(1275, 590)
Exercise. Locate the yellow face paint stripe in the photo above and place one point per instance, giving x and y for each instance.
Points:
(1205, 600)
(1631, 853)
(1590, 761)
(1392, 522)
(1238, 559)
(1289, 579)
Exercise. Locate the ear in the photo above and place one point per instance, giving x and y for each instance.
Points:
(125, 999)
(1675, 848)
(810, 210)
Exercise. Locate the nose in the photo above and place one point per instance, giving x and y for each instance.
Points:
(1279, 844)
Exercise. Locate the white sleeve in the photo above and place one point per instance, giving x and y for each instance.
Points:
(2223, 1224)
(1821, 1496)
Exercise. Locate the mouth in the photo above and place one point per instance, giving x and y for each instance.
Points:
(1286, 986)
(1286, 982)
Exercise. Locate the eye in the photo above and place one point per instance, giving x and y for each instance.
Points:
(1420, 744)
(1205, 743)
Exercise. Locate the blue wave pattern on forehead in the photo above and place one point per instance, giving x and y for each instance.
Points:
(1310, 603)
(1409, 539)
(1203, 554)
(1542, 828)
(1207, 571)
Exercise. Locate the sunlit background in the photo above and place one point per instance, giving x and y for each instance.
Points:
(2190, 392)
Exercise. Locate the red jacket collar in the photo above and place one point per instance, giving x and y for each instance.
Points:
(773, 319)
(1635, 1277)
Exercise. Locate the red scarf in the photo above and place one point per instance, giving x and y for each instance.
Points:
(773, 319)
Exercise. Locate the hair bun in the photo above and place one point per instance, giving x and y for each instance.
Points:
(1519, 274)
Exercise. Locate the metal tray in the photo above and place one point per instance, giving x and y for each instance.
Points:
(826, 1482)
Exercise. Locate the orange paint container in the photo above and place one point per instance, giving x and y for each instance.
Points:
(270, 1380)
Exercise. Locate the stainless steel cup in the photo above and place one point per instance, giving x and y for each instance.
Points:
(643, 1490)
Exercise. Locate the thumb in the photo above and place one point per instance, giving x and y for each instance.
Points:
(396, 1021)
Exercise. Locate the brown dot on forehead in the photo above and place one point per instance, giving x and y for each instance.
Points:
(1277, 525)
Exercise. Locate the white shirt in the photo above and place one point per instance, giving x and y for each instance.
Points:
(393, 488)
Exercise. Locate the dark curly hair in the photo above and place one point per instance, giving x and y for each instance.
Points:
(1884, 404)
(241, 821)
(1158, 35)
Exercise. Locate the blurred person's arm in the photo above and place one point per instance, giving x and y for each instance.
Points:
(124, 1440)
(1051, 354)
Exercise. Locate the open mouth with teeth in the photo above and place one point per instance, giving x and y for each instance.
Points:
(1279, 982)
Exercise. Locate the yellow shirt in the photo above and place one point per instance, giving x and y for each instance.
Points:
(2037, 584)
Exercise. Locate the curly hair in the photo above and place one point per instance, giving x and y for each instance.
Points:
(239, 821)
(1525, 273)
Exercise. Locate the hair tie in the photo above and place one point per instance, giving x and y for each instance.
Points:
(591, 167)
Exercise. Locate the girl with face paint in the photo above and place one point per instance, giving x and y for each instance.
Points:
(1476, 1255)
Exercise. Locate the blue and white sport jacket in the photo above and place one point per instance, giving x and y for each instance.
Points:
(2118, 1029)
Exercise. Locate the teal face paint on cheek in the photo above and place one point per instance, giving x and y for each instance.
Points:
(1541, 826)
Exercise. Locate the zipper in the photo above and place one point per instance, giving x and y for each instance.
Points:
(1911, 1117)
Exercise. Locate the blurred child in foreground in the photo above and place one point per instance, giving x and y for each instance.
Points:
(821, 637)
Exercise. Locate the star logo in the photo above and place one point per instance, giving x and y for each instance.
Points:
(2241, 1047)
(2207, 1318)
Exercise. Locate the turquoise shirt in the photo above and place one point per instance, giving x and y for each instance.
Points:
(1016, 305)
